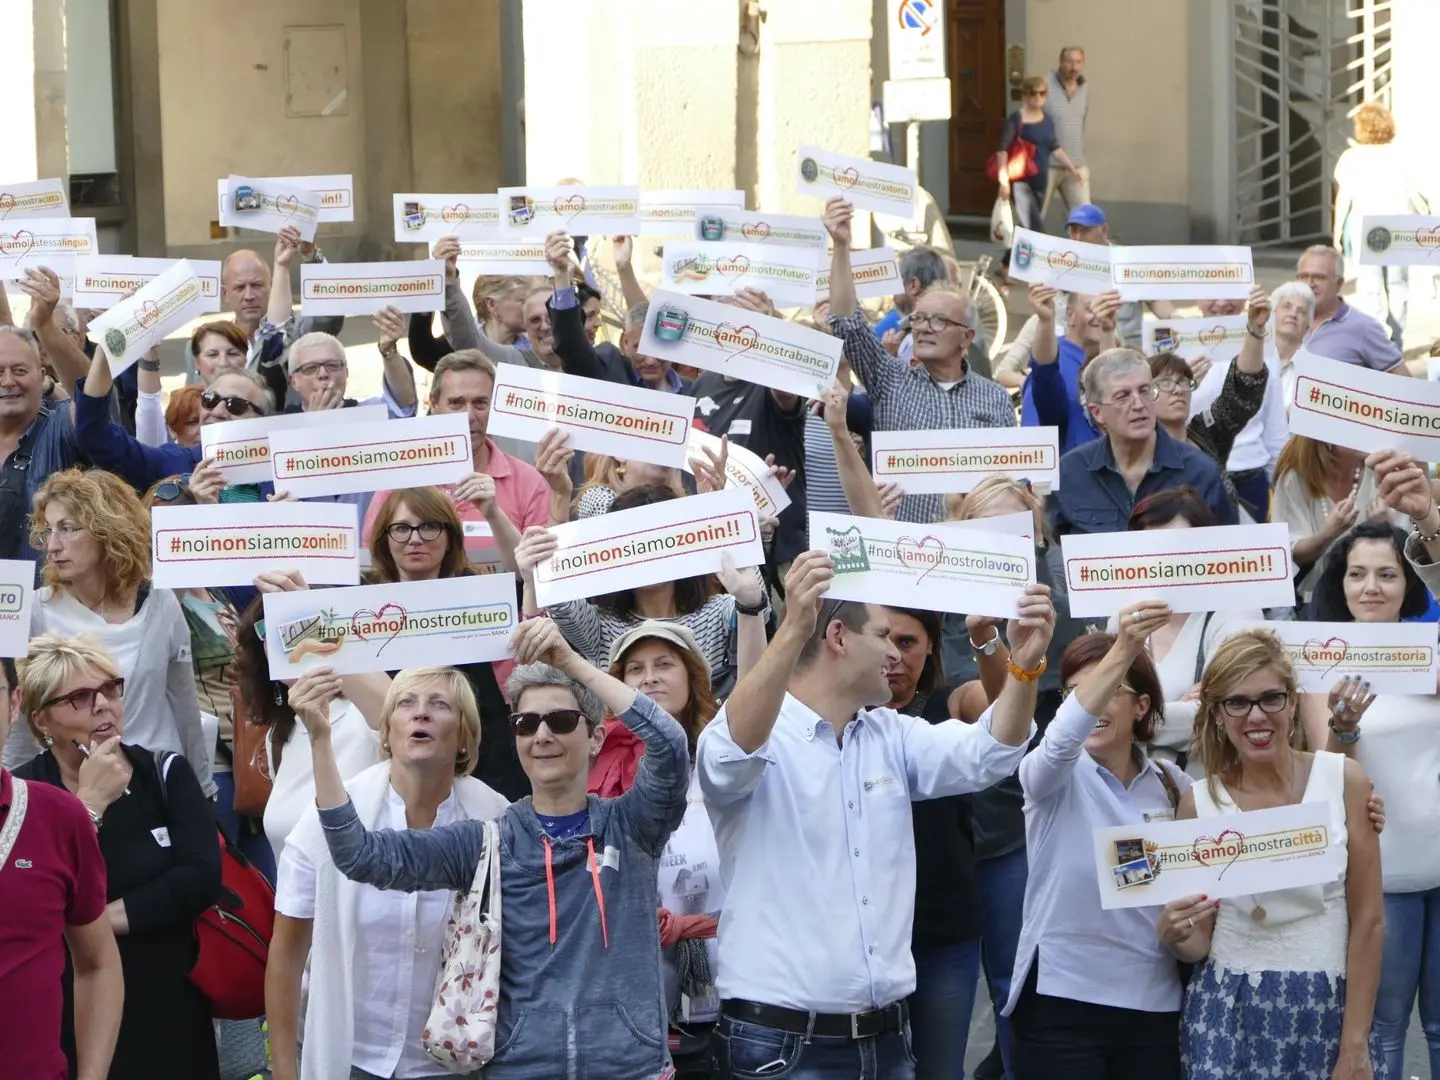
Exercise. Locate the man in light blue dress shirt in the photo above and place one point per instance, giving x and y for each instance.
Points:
(809, 785)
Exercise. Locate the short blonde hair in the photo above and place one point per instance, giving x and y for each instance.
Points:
(489, 287)
(1238, 657)
(111, 512)
(458, 687)
(1374, 124)
(51, 662)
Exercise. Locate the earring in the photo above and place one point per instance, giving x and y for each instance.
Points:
(278, 690)
(49, 741)
(620, 470)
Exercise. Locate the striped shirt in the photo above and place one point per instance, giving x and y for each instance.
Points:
(1068, 111)
(823, 490)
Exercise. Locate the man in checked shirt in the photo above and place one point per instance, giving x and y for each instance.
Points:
(937, 393)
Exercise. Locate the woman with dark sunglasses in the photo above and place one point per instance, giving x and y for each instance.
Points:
(580, 991)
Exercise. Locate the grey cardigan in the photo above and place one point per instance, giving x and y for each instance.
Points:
(590, 1004)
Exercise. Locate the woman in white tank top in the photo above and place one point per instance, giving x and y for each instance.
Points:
(1286, 982)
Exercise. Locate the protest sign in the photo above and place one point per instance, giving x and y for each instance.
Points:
(1394, 657)
(731, 224)
(1400, 240)
(1364, 410)
(241, 448)
(874, 271)
(504, 258)
(664, 541)
(1212, 569)
(229, 543)
(380, 456)
(336, 193)
(866, 183)
(1218, 337)
(1235, 855)
(672, 213)
(269, 205)
(454, 621)
(1021, 523)
(102, 281)
(365, 288)
(939, 462)
(130, 328)
(34, 199)
(427, 218)
(17, 588)
(1061, 263)
(787, 275)
(743, 469)
(773, 352)
(600, 417)
(55, 242)
(1184, 272)
(931, 567)
(532, 213)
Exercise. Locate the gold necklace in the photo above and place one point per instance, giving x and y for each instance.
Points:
(1257, 909)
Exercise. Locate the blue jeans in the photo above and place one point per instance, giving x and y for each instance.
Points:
(1001, 881)
(250, 841)
(751, 1052)
(1410, 961)
(940, 1008)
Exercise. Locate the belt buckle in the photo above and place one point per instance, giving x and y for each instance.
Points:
(855, 1025)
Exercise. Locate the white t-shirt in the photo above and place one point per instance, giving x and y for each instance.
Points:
(1377, 179)
(689, 884)
(1401, 753)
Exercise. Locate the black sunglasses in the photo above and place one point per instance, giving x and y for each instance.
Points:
(83, 700)
(237, 405)
(169, 490)
(560, 722)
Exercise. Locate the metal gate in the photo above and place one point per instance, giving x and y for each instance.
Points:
(1302, 68)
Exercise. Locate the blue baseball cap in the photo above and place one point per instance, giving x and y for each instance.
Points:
(1087, 216)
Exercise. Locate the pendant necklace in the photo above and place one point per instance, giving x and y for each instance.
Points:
(1257, 910)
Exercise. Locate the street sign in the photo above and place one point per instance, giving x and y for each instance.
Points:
(916, 99)
(917, 39)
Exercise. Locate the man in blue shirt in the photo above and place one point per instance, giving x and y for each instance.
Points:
(1051, 395)
(1102, 480)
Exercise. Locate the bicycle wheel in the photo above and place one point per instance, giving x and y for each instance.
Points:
(990, 307)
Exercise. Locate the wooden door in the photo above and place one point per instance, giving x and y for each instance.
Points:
(975, 49)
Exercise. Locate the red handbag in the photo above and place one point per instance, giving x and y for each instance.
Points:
(1020, 162)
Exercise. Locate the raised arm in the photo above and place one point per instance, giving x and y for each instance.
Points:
(855, 479)
(567, 322)
(398, 375)
(838, 215)
(42, 286)
(281, 308)
(1045, 349)
(623, 249)
(1405, 486)
(460, 321)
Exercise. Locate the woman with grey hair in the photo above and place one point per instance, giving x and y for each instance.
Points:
(572, 1001)
(1293, 305)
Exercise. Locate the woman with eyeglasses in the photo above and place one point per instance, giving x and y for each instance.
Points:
(1033, 124)
(1286, 981)
(580, 964)
(96, 537)
(157, 834)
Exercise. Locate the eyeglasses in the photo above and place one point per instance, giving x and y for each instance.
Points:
(238, 406)
(560, 721)
(1066, 691)
(1148, 393)
(260, 630)
(402, 531)
(329, 367)
(169, 490)
(83, 700)
(921, 321)
(1239, 707)
(1175, 386)
(66, 532)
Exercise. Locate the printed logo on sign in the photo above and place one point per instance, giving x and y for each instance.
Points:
(809, 170)
(1024, 254)
(115, 342)
(1378, 239)
(327, 632)
(847, 551)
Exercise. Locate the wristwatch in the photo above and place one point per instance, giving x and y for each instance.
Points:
(1347, 738)
(96, 817)
(146, 364)
(1258, 335)
(990, 647)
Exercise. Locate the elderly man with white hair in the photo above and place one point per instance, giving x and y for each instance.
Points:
(319, 372)
(1292, 308)
(1339, 331)
(1101, 481)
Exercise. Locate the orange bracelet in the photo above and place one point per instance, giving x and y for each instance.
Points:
(1027, 676)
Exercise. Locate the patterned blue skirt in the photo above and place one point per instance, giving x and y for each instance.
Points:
(1285, 1028)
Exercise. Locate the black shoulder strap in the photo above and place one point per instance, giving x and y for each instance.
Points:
(1200, 652)
(163, 758)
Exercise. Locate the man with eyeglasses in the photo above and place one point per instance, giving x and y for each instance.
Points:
(1102, 480)
(1051, 395)
(319, 372)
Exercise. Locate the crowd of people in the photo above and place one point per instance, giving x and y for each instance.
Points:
(812, 823)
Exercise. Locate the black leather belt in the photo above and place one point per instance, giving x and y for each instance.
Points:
(865, 1025)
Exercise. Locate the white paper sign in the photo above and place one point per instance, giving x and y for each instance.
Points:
(17, 588)
(129, 329)
(228, 544)
(773, 352)
(672, 213)
(931, 567)
(744, 469)
(241, 448)
(517, 259)
(55, 242)
(874, 271)
(732, 224)
(427, 218)
(1364, 410)
(788, 275)
(364, 288)
(1213, 569)
(421, 451)
(1246, 855)
(1021, 523)
(600, 417)
(1185, 272)
(1394, 657)
(464, 620)
(1219, 337)
(941, 461)
(532, 213)
(33, 199)
(870, 185)
(1060, 262)
(269, 205)
(664, 541)
(336, 191)
(102, 281)
(1400, 240)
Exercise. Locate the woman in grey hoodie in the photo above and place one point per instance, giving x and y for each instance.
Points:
(575, 1002)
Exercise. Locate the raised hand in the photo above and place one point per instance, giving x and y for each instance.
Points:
(310, 699)
(539, 641)
(536, 545)
(391, 325)
(837, 218)
(447, 249)
(207, 481)
(1030, 632)
(809, 577)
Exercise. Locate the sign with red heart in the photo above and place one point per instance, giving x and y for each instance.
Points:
(923, 555)
(746, 337)
(759, 230)
(18, 244)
